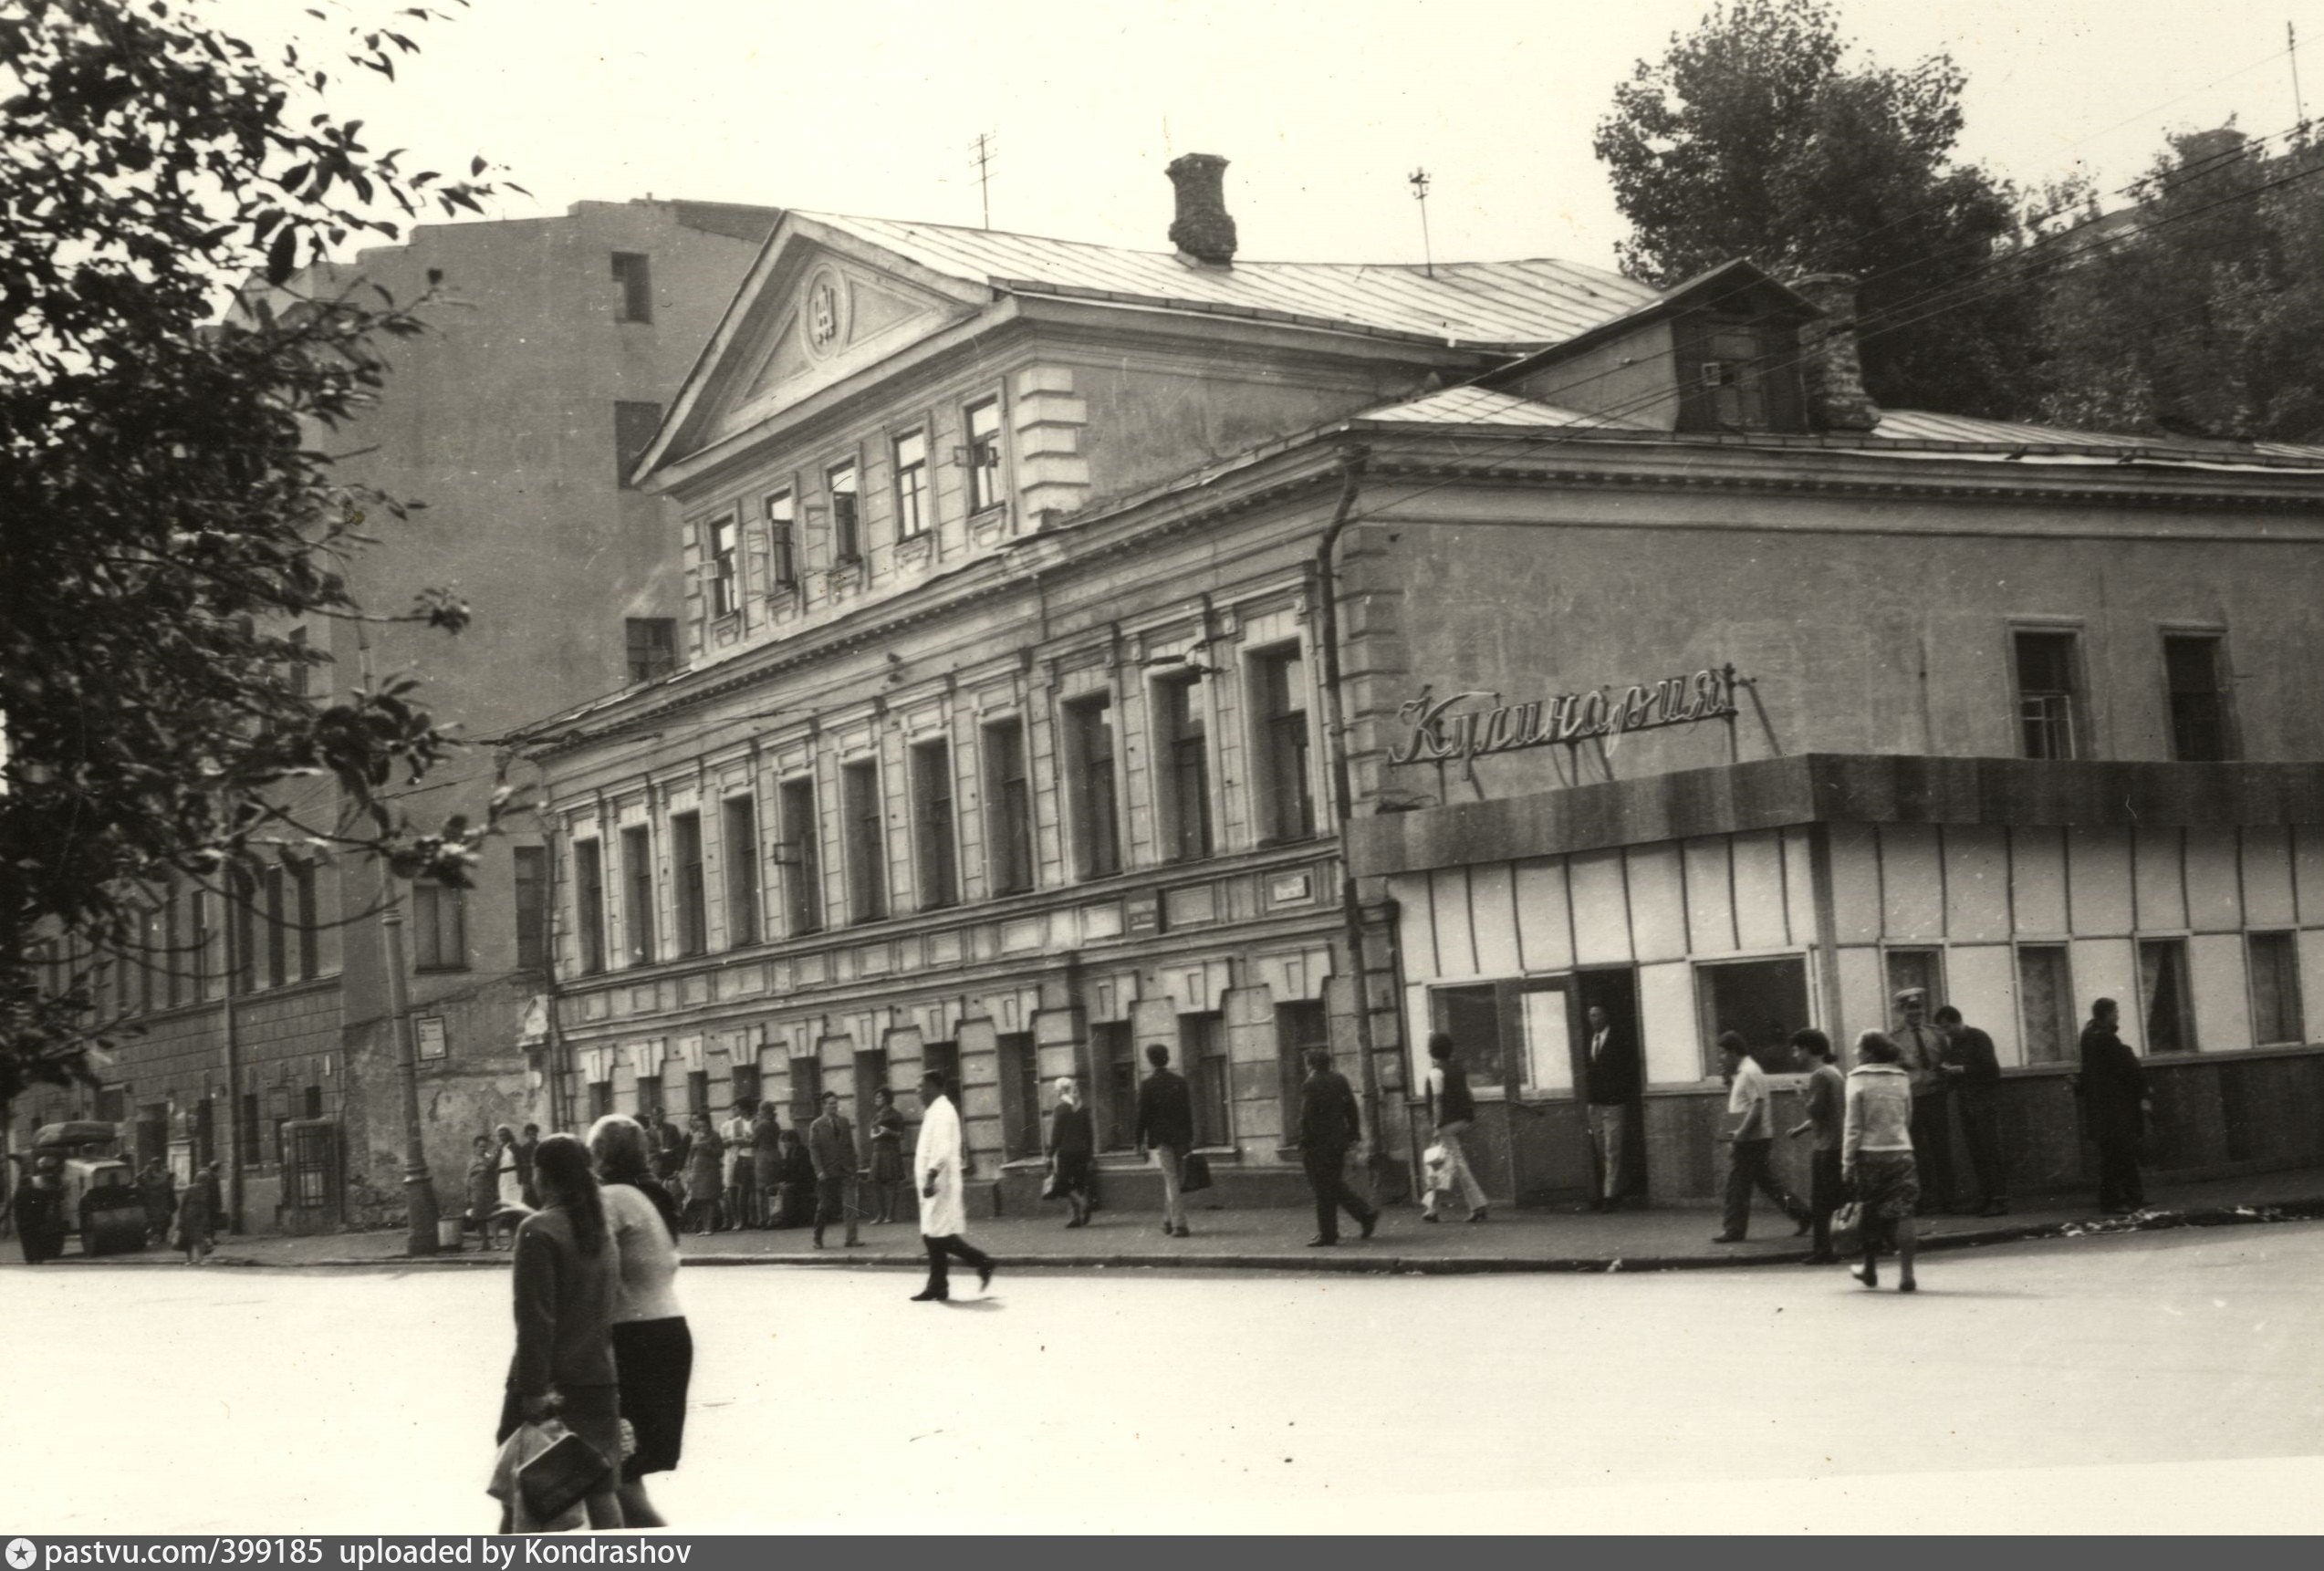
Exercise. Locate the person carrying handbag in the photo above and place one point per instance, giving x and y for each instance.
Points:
(1456, 1115)
(1072, 1148)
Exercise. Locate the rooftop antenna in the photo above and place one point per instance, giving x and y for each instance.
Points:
(1418, 181)
(2299, 110)
(983, 150)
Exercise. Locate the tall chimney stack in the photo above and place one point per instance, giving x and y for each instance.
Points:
(1829, 364)
(1202, 229)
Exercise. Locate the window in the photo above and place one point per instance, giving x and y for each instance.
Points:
(651, 1108)
(2194, 665)
(299, 673)
(747, 1087)
(2275, 989)
(931, 812)
(1298, 1026)
(801, 850)
(697, 1090)
(245, 1132)
(943, 1059)
(205, 1132)
(1476, 1018)
(846, 537)
(529, 875)
(807, 1093)
(726, 568)
(2046, 999)
(653, 648)
(600, 1100)
(277, 928)
(439, 928)
(588, 903)
(1009, 801)
(1765, 1000)
(637, 908)
(1097, 829)
(738, 842)
(2047, 701)
(871, 1074)
(151, 939)
(1186, 769)
(867, 841)
(911, 484)
(1114, 1053)
(634, 423)
(693, 910)
(984, 455)
(2165, 1003)
(1201, 1055)
(1734, 380)
(1289, 803)
(1020, 1097)
(633, 281)
(310, 924)
(782, 540)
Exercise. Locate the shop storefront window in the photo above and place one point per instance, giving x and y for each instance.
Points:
(1519, 1029)
(2275, 989)
(1765, 1000)
(2046, 993)
(2164, 998)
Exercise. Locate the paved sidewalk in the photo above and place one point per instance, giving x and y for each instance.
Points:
(1677, 1238)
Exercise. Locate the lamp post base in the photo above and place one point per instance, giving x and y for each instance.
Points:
(419, 1202)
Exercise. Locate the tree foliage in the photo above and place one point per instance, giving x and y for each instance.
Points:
(1753, 137)
(167, 389)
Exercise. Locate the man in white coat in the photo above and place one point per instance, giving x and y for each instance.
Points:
(942, 1214)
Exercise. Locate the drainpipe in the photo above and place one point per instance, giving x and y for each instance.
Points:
(1351, 471)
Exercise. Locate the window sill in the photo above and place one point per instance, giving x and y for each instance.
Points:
(426, 970)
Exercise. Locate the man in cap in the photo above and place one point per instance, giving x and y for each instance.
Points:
(1921, 1046)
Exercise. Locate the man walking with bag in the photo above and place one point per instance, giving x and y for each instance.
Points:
(1456, 1115)
(939, 1165)
(1329, 1127)
(1166, 1127)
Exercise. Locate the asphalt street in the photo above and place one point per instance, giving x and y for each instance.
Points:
(2133, 1383)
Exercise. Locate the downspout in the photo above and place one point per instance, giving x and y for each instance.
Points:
(1351, 471)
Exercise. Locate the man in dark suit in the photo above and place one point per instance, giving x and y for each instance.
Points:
(1612, 1082)
(1166, 1127)
(2115, 1104)
(1329, 1127)
(1975, 1069)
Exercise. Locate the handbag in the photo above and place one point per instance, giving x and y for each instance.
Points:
(1848, 1228)
(1053, 1187)
(1193, 1172)
(559, 1475)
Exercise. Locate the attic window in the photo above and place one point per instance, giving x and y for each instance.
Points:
(1735, 375)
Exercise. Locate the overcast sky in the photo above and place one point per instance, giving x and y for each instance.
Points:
(869, 105)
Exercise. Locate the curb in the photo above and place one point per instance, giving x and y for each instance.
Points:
(1357, 1262)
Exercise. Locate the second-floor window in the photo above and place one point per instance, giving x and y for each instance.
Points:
(1185, 767)
(2194, 665)
(530, 873)
(847, 533)
(782, 541)
(932, 811)
(2048, 693)
(1090, 780)
(984, 454)
(637, 904)
(738, 847)
(726, 568)
(801, 855)
(633, 288)
(439, 928)
(867, 841)
(588, 903)
(653, 648)
(1280, 706)
(1008, 804)
(693, 906)
(911, 484)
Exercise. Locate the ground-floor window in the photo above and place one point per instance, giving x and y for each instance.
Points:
(871, 1075)
(806, 1092)
(2275, 989)
(943, 1059)
(1519, 1030)
(1020, 1097)
(748, 1087)
(1201, 1040)
(2164, 1001)
(651, 1110)
(698, 1090)
(2046, 999)
(1763, 1001)
(1113, 1055)
(600, 1100)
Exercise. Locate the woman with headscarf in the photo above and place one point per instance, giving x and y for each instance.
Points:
(705, 1173)
(1072, 1147)
(886, 1131)
(653, 1351)
(1876, 1155)
(564, 1275)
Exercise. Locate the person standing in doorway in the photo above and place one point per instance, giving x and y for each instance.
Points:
(1072, 1148)
(1826, 1094)
(1974, 1070)
(1922, 1049)
(1448, 1086)
(2115, 1105)
(1749, 1142)
(1329, 1127)
(943, 1212)
(830, 1145)
(1166, 1127)
(741, 1207)
(1612, 1083)
(1876, 1156)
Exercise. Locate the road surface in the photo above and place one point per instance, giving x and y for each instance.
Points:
(2127, 1383)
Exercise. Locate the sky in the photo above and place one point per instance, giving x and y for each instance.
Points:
(870, 105)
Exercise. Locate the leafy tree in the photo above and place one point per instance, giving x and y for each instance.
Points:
(1752, 137)
(166, 509)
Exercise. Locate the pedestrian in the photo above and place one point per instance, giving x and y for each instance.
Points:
(526, 1148)
(797, 1166)
(1749, 1144)
(887, 1132)
(509, 1173)
(1923, 1047)
(1166, 1126)
(1072, 1148)
(705, 1173)
(194, 1219)
(943, 1215)
(1826, 1095)
(2115, 1106)
(741, 1207)
(483, 1188)
(1329, 1127)
(38, 1211)
(1876, 1156)
(1611, 1081)
(765, 1162)
(830, 1147)
(159, 1193)
(564, 1275)
(1448, 1086)
(213, 1204)
(1974, 1070)
(669, 1150)
(653, 1350)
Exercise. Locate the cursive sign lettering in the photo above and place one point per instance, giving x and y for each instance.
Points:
(1441, 729)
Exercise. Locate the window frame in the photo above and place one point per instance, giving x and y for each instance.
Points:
(1210, 1075)
(847, 540)
(589, 902)
(2081, 738)
(1179, 704)
(528, 905)
(1008, 805)
(1281, 784)
(638, 919)
(665, 651)
(689, 890)
(2222, 691)
(801, 853)
(2179, 951)
(633, 272)
(983, 495)
(863, 841)
(935, 822)
(2296, 1004)
(1095, 855)
(782, 538)
(1707, 1025)
(436, 909)
(2069, 1016)
(738, 853)
(912, 496)
(721, 554)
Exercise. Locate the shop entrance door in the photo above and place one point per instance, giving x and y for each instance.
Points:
(1613, 989)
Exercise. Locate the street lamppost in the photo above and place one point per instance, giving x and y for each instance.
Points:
(419, 1190)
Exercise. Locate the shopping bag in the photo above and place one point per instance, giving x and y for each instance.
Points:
(526, 1445)
(559, 1474)
(1194, 1172)
(1052, 1187)
(1848, 1228)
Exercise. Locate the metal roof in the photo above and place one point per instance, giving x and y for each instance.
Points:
(1920, 426)
(1518, 303)
(1471, 405)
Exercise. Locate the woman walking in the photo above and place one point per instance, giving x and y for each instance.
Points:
(1876, 1156)
(653, 1352)
(705, 1173)
(1072, 1147)
(565, 1276)
(887, 1131)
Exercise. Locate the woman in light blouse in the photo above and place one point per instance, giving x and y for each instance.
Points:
(1876, 1156)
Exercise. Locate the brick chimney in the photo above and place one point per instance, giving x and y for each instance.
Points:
(1202, 230)
(1830, 368)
